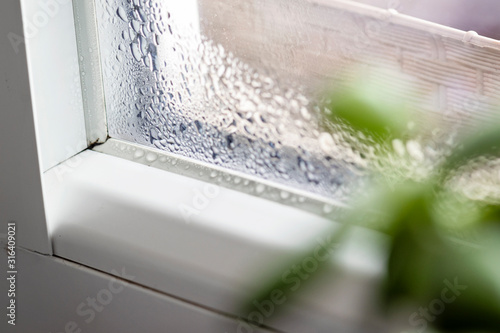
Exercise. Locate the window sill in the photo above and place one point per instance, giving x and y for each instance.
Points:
(106, 212)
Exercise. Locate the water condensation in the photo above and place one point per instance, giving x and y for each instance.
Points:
(169, 87)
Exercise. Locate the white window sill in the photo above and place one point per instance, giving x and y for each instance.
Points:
(106, 212)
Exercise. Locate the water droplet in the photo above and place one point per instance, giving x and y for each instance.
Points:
(136, 51)
(399, 147)
(305, 113)
(392, 11)
(326, 142)
(284, 195)
(415, 150)
(469, 35)
(151, 157)
(136, 25)
(260, 188)
(122, 14)
(138, 153)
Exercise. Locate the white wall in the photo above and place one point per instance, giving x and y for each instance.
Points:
(52, 297)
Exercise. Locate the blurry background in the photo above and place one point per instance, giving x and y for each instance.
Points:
(479, 15)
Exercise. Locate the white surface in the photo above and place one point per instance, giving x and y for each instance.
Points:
(20, 182)
(55, 79)
(106, 212)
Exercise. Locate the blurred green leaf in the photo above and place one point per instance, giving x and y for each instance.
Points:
(332, 237)
(370, 110)
(485, 141)
(423, 262)
(424, 258)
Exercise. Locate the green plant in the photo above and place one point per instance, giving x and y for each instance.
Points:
(418, 216)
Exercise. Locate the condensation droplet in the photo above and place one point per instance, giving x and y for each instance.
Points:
(260, 188)
(151, 157)
(415, 150)
(305, 113)
(284, 195)
(138, 153)
(469, 35)
(136, 52)
(326, 142)
(399, 147)
(122, 14)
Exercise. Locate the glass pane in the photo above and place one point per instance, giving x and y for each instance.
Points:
(235, 83)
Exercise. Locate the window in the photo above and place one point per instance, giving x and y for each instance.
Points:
(170, 86)
(235, 84)
(225, 91)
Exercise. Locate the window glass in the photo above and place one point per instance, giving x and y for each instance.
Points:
(169, 85)
(236, 83)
